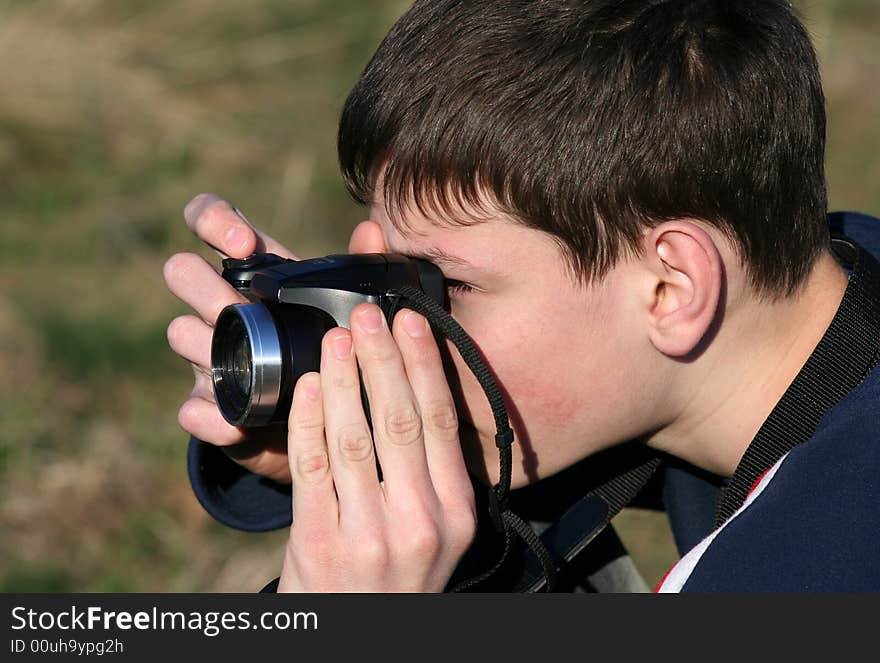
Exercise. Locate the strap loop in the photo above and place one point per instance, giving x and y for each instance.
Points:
(504, 439)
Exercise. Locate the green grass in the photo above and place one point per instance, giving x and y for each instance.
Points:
(103, 348)
(113, 114)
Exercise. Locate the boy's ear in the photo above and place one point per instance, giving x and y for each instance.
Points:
(367, 237)
(687, 274)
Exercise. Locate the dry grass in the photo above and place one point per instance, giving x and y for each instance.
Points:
(112, 115)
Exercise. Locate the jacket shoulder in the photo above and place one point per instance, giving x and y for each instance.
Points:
(816, 524)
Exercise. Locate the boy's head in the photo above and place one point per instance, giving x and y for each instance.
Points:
(610, 141)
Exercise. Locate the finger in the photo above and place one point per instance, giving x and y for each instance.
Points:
(191, 279)
(202, 419)
(263, 452)
(367, 237)
(349, 443)
(223, 227)
(314, 498)
(204, 384)
(190, 337)
(397, 422)
(424, 368)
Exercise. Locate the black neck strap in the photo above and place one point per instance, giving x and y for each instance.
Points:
(848, 351)
(504, 519)
(582, 522)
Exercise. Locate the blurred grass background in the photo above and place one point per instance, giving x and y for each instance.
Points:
(113, 114)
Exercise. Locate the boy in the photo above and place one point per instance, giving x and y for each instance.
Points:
(628, 201)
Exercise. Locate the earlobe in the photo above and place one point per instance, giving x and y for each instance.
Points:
(687, 272)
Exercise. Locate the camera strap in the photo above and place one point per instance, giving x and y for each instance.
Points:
(560, 543)
(502, 517)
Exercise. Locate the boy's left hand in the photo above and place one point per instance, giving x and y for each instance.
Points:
(350, 531)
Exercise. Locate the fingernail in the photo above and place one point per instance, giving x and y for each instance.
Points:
(342, 346)
(414, 324)
(194, 207)
(370, 320)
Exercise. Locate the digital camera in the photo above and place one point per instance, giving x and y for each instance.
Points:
(259, 350)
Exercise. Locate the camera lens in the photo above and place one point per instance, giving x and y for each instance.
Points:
(241, 365)
(257, 355)
(246, 364)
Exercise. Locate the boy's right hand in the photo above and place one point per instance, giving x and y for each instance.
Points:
(197, 283)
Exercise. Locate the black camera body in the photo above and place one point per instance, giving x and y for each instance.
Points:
(259, 350)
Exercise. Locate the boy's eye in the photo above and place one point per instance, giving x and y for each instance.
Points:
(454, 287)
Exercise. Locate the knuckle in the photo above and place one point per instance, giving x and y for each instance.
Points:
(403, 426)
(355, 443)
(425, 356)
(383, 353)
(441, 420)
(313, 467)
(312, 547)
(372, 551)
(376, 350)
(424, 542)
(345, 380)
(308, 428)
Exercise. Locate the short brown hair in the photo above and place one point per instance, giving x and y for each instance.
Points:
(593, 119)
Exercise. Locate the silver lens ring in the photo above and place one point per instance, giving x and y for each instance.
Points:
(265, 364)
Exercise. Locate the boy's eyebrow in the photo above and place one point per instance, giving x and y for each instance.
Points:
(440, 257)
